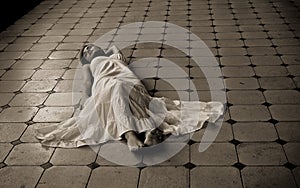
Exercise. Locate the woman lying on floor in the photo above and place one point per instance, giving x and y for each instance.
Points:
(116, 105)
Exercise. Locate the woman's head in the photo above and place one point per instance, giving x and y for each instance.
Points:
(89, 52)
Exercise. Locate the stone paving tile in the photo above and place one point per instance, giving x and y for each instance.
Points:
(179, 159)
(254, 132)
(294, 70)
(29, 134)
(162, 176)
(241, 83)
(288, 131)
(292, 152)
(29, 154)
(39, 86)
(64, 86)
(70, 176)
(296, 171)
(270, 71)
(11, 131)
(245, 97)
(215, 177)
(28, 99)
(47, 74)
(4, 64)
(277, 83)
(20, 176)
(53, 114)
(276, 177)
(114, 177)
(5, 98)
(261, 154)
(36, 55)
(74, 156)
(172, 84)
(72, 74)
(235, 71)
(226, 154)
(26, 64)
(235, 60)
(282, 96)
(4, 150)
(17, 114)
(285, 112)
(63, 55)
(224, 134)
(11, 86)
(266, 60)
(62, 99)
(249, 113)
(55, 64)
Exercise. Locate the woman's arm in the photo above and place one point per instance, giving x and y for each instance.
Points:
(87, 82)
(112, 50)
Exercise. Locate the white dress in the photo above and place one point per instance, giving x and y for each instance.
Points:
(119, 103)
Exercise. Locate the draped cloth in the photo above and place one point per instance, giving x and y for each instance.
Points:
(119, 103)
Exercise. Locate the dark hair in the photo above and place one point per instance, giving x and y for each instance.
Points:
(83, 60)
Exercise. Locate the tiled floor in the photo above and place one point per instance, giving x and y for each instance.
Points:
(256, 43)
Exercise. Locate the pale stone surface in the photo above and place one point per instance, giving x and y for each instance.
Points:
(114, 177)
(4, 150)
(62, 99)
(289, 131)
(245, 97)
(277, 83)
(20, 176)
(296, 172)
(180, 158)
(215, 154)
(241, 83)
(29, 154)
(17, 74)
(224, 134)
(5, 98)
(285, 112)
(47, 74)
(74, 156)
(17, 114)
(53, 114)
(215, 177)
(275, 177)
(254, 131)
(11, 86)
(11, 131)
(162, 176)
(249, 113)
(39, 86)
(261, 154)
(282, 96)
(65, 176)
(292, 151)
(29, 134)
(27, 64)
(28, 99)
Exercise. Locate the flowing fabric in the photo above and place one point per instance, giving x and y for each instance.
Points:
(119, 103)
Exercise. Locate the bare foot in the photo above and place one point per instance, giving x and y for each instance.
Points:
(133, 142)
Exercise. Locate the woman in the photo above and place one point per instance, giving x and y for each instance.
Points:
(116, 105)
